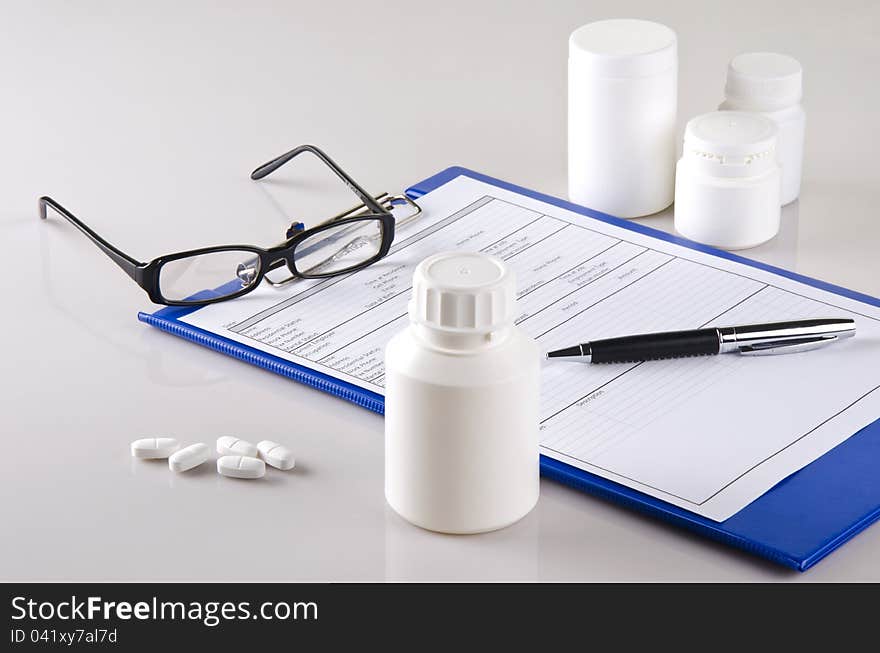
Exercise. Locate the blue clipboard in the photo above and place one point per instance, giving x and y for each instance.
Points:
(797, 523)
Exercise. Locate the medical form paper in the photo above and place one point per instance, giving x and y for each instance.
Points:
(708, 434)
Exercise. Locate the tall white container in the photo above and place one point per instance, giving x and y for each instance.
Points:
(461, 401)
(771, 84)
(622, 102)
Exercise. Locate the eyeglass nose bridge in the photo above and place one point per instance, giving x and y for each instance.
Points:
(277, 263)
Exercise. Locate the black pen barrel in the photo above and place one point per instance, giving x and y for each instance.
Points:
(654, 346)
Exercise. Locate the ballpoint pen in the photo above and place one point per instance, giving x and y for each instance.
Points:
(751, 339)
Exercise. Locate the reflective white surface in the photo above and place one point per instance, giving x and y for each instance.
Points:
(145, 121)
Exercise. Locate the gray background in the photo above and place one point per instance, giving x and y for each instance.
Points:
(146, 118)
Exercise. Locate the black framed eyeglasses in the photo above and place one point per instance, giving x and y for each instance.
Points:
(347, 242)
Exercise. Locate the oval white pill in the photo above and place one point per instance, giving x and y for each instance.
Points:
(229, 445)
(241, 467)
(154, 447)
(277, 455)
(188, 457)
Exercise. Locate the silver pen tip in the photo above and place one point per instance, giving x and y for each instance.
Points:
(564, 353)
(576, 353)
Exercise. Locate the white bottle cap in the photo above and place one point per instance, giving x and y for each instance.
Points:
(764, 81)
(731, 143)
(624, 47)
(463, 292)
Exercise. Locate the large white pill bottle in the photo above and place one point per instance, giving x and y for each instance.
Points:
(461, 400)
(622, 102)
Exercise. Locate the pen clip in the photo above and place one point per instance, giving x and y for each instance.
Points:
(787, 346)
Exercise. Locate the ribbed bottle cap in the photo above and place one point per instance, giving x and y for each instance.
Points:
(764, 81)
(731, 143)
(463, 292)
(624, 47)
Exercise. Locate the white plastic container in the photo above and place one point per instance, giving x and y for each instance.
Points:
(728, 181)
(622, 101)
(461, 401)
(772, 84)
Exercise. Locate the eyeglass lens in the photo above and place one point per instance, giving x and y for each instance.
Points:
(209, 275)
(337, 248)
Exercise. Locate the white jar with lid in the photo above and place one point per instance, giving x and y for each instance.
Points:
(771, 84)
(622, 102)
(727, 181)
(461, 400)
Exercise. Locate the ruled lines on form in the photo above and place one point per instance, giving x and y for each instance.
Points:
(574, 275)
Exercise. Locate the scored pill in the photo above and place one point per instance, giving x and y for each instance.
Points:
(188, 457)
(154, 447)
(229, 445)
(277, 455)
(240, 467)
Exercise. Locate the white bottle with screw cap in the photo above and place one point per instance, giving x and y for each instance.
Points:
(622, 102)
(771, 84)
(728, 181)
(462, 389)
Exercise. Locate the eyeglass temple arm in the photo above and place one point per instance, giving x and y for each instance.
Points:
(273, 165)
(132, 267)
